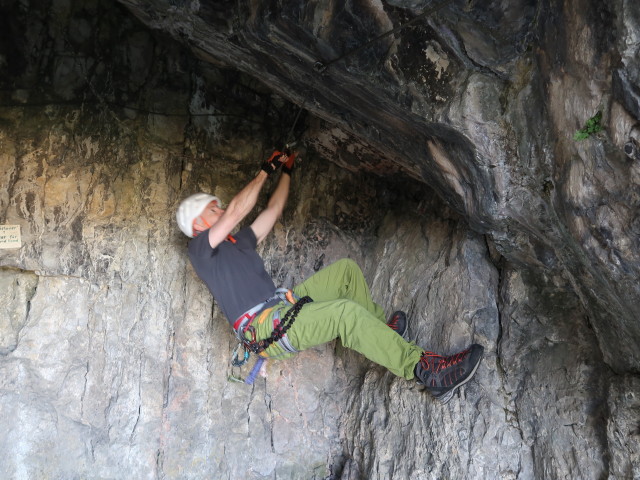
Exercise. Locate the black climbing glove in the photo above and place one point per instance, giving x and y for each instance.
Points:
(275, 161)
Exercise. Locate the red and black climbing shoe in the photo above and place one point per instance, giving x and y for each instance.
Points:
(399, 323)
(443, 375)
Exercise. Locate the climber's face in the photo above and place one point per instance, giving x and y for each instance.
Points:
(209, 216)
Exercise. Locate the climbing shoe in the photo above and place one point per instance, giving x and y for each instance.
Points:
(443, 375)
(399, 323)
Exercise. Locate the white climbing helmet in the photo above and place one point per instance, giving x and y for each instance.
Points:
(190, 208)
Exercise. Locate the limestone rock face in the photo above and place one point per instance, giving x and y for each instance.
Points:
(481, 102)
(440, 158)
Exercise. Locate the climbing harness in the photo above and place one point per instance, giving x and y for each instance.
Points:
(246, 333)
(278, 335)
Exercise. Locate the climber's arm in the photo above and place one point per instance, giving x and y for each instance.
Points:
(264, 223)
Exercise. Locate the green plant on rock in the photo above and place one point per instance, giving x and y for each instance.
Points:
(592, 126)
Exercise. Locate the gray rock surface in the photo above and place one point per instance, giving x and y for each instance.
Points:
(441, 159)
(480, 102)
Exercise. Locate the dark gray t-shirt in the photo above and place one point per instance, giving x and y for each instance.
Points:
(234, 272)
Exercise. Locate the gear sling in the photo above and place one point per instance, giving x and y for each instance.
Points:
(246, 332)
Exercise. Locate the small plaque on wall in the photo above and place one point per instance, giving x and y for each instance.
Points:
(10, 236)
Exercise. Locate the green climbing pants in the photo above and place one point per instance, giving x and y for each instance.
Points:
(342, 308)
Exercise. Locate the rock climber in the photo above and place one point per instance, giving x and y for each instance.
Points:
(333, 303)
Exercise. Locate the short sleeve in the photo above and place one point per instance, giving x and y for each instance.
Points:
(199, 246)
(246, 238)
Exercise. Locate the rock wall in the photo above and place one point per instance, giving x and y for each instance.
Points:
(481, 102)
(114, 361)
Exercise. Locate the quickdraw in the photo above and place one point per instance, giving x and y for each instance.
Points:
(235, 358)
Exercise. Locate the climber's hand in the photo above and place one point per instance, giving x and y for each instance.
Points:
(275, 161)
(289, 164)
